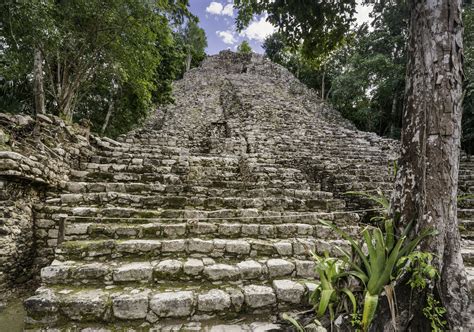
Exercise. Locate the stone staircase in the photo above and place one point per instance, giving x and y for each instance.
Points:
(205, 218)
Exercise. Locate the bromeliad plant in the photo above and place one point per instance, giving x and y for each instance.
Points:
(375, 262)
(377, 268)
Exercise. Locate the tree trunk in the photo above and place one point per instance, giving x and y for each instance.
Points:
(393, 116)
(189, 58)
(323, 82)
(427, 179)
(38, 88)
(107, 117)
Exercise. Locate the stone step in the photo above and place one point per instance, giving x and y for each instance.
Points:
(323, 204)
(203, 230)
(175, 178)
(242, 323)
(136, 216)
(168, 271)
(231, 189)
(210, 188)
(466, 214)
(56, 304)
(467, 251)
(153, 249)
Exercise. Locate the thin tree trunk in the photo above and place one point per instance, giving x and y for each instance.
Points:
(323, 97)
(189, 58)
(393, 116)
(38, 88)
(107, 117)
(427, 179)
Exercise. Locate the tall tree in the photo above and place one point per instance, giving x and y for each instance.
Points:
(195, 43)
(427, 179)
(76, 39)
(426, 185)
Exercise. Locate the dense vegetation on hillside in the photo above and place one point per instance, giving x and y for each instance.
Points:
(364, 75)
(109, 62)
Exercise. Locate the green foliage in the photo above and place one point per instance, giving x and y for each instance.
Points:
(330, 294)
(418, 265)
(298, 327)
(381, 265)
(318, 26)
(191, 40)
(244, 48)
(113, 56)
(436, 314)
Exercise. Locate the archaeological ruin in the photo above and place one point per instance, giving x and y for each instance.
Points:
(203, 218)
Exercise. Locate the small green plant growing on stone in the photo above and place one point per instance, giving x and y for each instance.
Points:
(422, 275)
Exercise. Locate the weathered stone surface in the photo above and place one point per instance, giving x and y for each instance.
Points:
(221, 272)
(250, 269)
(173, 304)
(87, 305)
(288, 291)
(214, 300)
(259, 296)
(130, 306)
(169, 267)
(279, 267)
(133, 272)
(193, 266)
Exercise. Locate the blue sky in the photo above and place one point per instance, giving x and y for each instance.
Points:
(217, 18)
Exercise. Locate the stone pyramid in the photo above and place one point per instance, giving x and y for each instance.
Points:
(205, 217)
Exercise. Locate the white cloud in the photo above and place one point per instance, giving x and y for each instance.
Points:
(227, 37)
(228, 10)
(216, 8)
(259, 29)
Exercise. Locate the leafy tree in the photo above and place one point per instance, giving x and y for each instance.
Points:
(195, 42)
(244, 48)
(319, 26)
(91, 46)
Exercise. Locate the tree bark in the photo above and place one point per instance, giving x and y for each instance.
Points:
(107, 116)
(393, 116)
(427, 179)
(38, 87)
(323, 97)
(189, 58)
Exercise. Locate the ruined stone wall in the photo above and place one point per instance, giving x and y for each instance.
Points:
(36, 158)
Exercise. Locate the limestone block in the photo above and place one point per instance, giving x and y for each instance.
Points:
(221, 272)
(288, 291)
(279, 267)
(130, 306)
(250, 269)
(193, 266)
(172, 304)
(238, 247)
(202, 246)
(87, 305)
(214, 300)
(169, 267)
(173, 245)
(259, 296)
(133, 272)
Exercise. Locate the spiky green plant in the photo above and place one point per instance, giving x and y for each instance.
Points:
(379, 266)
(328, 294)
